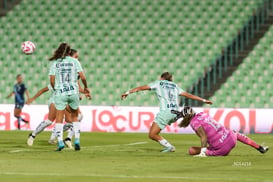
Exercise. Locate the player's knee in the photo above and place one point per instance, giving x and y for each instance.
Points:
(191, 151)
(151, 136)
(194, 150)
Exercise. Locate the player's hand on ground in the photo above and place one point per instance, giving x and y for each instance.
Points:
(29, 101)
(202, 153)
(123, 96)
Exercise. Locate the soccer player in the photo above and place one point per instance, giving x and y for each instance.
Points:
(52, 114)
(19, 90)
(167, 92)
(216, 140)
(50, 119)
(63, 74)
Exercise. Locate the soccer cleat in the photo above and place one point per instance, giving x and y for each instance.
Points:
(68, 143)
(77, 144)
(168, 149)
(60, 146)
(77, 147)
(52, 142)
(263, 149)
(30, 139)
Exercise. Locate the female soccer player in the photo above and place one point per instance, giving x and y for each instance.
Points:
(63, 74)
(167, 92)
(52, 114)
(19, 90)
(216, 140)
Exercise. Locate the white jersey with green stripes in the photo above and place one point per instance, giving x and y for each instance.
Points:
(66, 72)
(167, 93)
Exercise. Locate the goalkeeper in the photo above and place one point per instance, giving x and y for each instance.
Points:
(216, 140)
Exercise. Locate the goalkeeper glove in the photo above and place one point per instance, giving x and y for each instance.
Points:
(202, 153)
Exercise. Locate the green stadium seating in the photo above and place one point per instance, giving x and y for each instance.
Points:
(252, 81)
(122, 43)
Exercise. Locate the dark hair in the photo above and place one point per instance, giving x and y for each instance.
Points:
(167, 76)
(72, 52)
(17, 76)
(186, 120)
(62, 51)
(187, 113)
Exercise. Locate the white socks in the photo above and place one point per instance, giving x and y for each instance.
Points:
(41, 127)
(80, 117)
(59, 131)
(53, 134)
(70, 133)
(73, 129)
(67, 126)
(165, 143)
(76, 130)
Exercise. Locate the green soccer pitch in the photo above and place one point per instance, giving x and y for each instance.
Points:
(127, 157)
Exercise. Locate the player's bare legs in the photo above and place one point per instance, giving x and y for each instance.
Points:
(154, 135)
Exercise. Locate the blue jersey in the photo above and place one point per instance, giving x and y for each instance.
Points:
(19, 90)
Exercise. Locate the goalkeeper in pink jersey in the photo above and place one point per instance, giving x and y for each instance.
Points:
(216, 140)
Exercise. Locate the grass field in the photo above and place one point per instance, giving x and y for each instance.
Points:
(127, 157)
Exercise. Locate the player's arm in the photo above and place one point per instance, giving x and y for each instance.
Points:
(194, 97)
(52, 81)
(27, 94)
(81, 90)
(137, 89)
(204, 141)
(11, 94)
(84, 82)
(40, 92)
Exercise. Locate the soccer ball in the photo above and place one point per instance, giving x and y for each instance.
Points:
(28, 47)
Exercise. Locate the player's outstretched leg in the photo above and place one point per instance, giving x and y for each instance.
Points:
(244, 139)
(154, 135)
(38, 130)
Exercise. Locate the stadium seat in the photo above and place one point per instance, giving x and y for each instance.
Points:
(254, 77)
(123, 43)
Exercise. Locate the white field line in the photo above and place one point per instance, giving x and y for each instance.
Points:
(85, 148)
(116, 145)
(115, 176)
(26, 150)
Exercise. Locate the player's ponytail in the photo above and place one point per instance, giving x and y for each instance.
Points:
(186, 121)
(62, 51)
(72, 52)
(167, 76)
